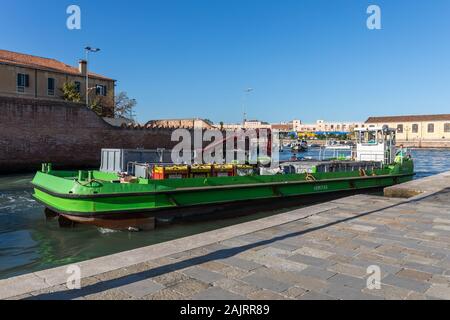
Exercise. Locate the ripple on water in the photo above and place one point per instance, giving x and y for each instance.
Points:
(16, 201)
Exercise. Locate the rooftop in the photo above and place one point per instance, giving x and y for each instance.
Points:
(29, 61)
(435, 117)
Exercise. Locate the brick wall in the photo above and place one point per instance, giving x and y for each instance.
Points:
(68, 135)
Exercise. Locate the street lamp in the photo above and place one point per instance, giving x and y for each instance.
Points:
(88, 50)
(246, 94)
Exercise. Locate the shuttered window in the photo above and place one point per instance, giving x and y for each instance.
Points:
(23, 81)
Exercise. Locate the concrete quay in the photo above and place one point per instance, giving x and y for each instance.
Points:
(318, 252)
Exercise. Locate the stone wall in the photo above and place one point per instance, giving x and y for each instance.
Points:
(65, 134)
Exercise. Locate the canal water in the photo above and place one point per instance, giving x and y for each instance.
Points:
(28, 242)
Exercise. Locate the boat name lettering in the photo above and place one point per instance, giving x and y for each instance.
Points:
(321, 188)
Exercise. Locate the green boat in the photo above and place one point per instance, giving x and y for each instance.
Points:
(107, 200)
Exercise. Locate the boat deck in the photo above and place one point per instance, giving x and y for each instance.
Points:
(318, 252)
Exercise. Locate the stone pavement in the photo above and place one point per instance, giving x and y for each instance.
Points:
(319, 252)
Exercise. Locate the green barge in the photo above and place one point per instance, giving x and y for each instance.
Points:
(106, 200)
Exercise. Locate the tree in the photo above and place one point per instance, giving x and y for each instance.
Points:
(70, 92)
(124, 105)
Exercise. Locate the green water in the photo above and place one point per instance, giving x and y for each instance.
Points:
(29, 242)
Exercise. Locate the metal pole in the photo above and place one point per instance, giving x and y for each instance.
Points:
(87, 79)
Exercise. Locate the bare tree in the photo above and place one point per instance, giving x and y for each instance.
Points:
(124, 105)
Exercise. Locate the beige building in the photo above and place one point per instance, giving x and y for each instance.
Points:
(195, 123)
(323, 126)
(28, 76)
(420, 130)
(248, 124)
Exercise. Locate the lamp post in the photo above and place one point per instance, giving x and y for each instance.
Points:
(246, 94)
(88, 50)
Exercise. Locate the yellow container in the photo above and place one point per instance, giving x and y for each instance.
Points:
(201, 171)
(223, 170)
(170, 172)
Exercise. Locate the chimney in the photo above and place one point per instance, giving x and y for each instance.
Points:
(82, 67)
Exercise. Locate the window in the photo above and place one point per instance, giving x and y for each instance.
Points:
(446, 127)
(23, 81)
(400, 128)
(431, 128)
(78, 86)
(415, 128)
(100, 90)
(51, 87)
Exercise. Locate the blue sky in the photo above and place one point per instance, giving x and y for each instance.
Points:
(306, 59)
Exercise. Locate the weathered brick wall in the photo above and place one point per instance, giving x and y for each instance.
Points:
(68, 135)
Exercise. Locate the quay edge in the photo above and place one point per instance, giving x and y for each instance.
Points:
(34, 284)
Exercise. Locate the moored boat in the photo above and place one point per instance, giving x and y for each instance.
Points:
(116, 201)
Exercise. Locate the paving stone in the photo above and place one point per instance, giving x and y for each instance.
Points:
(203, 274)
(406, 283)
(417, 296)
(113, 294)
(365, 243)
(348, 281)
(241, 263)
(439, 291)
(214, 266)
(389, 292)
(346, 293)
(294, 292)
(315, 296)
(266, 283)
(217, 293)
(169, 279)
(312, 252)
(317, 273)
(311, 261)
(142, 288)
(266, 295)
(234, 273)
(415, 275)
(310, 284)
(166, 294)
(236, 286)
(348, 269)
(385, 268)
(189, 287)
(423, 268)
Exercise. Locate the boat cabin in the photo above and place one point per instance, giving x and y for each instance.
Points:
(376, 144)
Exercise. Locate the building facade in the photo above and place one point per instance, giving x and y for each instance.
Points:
(194, 123)
(323, 126)
(248, 124)
(28, 76)
(419, 130)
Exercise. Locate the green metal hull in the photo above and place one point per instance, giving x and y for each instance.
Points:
(100, 198)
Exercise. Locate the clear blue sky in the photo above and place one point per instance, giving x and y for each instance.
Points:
(306, 59)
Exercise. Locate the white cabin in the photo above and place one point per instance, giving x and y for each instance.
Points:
(376, 144)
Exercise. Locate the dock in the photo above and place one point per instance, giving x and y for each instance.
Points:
(325, 251)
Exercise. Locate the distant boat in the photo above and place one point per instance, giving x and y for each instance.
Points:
(338, 145)
(300, 146)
